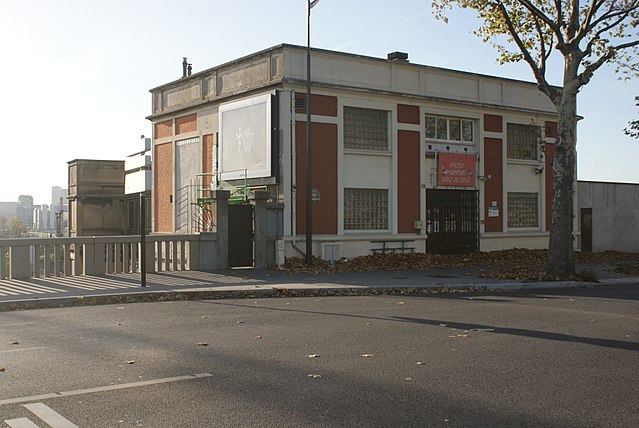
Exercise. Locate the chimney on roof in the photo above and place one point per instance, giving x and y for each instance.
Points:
(398, 57)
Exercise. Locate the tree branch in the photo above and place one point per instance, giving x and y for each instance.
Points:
(540, 76)
(542, 46)
(597, 35)
(612, 13)
(590, 69)
(573, 21)
(541, 15)
(592, 10)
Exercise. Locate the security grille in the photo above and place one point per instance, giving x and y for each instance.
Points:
(365, 209)
(365, 129)
(452, 221)
(523, 209)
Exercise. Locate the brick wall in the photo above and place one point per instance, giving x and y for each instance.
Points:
(324, 176)
(408, 188)
(186, 124)
(164, 129)
(163, 187)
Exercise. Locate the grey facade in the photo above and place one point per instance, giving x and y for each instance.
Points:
(609, 216)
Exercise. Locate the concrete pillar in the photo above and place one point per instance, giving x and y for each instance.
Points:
(150, 256)
(19, 261)
(206, 255)
(94, 258)
(260, 228)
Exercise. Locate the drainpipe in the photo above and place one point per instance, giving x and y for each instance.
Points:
(294, 178)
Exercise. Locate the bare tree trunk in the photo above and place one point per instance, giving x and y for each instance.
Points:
(561, 261)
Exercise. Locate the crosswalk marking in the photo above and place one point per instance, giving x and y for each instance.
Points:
(21, 423)
(50, 416)
(45, 413)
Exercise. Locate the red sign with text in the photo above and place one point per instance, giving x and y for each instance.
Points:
(455, 169)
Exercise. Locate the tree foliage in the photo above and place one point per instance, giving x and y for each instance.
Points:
(592, 33)
(16, 229)
(633, 127)
(587, 35)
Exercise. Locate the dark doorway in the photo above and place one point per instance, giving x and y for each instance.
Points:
(586, 229)
(452, 221)
(240, 235)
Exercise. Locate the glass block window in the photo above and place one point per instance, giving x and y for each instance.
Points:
(365, 209)
(449, 129)
(365, 129)
(523, 141)
(523, 209)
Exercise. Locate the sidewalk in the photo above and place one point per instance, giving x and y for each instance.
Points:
(52, 292)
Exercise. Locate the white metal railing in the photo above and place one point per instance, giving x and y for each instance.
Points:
(87, 255)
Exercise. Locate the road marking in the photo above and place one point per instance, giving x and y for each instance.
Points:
(50, 416)
(21, 423)
(103, 388)
(21, 349)
(16, 324)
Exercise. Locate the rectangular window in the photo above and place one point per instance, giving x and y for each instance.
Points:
(453, 129)
(467, 131)
(523, 209)
(365, 209)
(365, 129)
(523, 141)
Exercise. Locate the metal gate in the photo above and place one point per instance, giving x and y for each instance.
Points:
(240, 235)
(452, 221)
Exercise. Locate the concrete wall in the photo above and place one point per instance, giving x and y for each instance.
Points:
(96, 197)
(615, 214)
(96, 177)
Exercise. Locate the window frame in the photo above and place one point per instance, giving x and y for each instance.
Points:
(448, 118)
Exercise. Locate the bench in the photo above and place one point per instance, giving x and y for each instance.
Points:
(393, 246)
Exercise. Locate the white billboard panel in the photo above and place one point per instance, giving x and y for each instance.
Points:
(245, 138)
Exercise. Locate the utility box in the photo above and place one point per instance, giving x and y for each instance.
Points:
(332, 251)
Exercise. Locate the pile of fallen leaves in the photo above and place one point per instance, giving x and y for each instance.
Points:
(517, 263)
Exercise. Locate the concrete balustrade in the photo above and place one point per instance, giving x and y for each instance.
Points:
(99, 255)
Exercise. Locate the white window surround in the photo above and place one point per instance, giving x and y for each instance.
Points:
(346, 157)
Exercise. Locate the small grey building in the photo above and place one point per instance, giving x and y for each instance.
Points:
(609, 216)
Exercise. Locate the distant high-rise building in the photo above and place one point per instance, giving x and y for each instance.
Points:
(56, 193)
(25, 210)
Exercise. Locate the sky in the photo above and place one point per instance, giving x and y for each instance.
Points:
(75, 74)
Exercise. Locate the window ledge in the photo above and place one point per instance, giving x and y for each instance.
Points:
(367, 152)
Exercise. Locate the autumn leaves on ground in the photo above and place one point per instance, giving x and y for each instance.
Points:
(517, 264)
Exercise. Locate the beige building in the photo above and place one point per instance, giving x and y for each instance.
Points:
(444, 160)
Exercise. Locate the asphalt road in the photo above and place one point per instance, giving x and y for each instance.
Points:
(562, 358)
